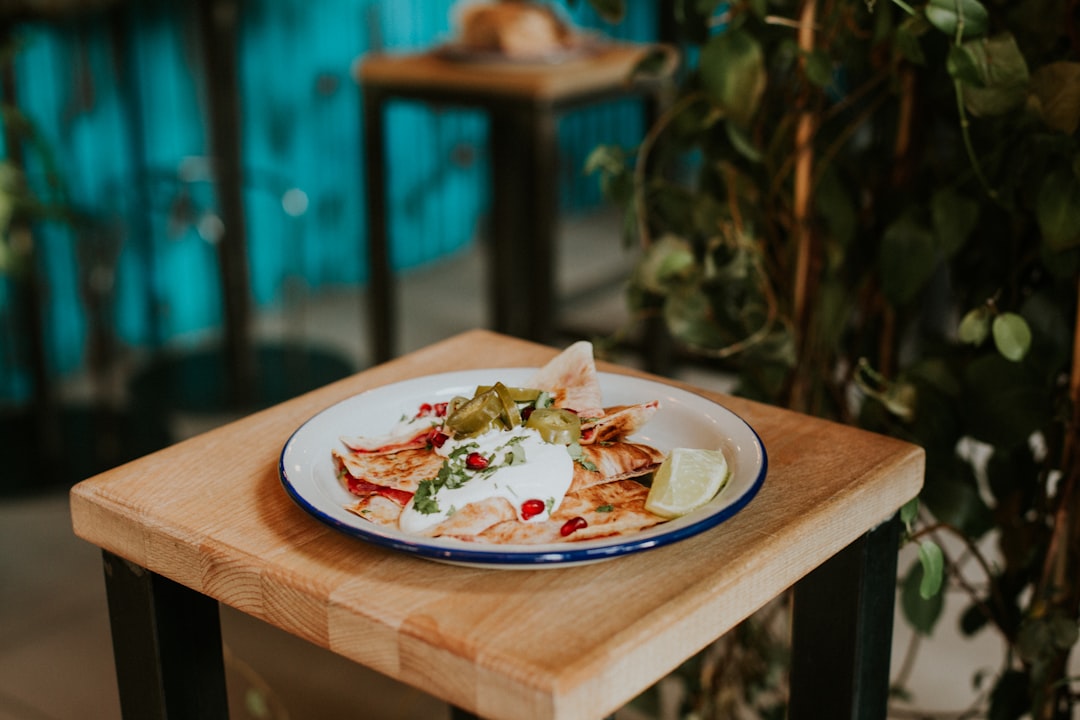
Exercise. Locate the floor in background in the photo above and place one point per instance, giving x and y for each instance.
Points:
(55, 649)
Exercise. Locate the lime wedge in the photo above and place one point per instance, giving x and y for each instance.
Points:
(687, 479)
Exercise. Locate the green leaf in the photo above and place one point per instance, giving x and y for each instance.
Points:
(952, 497)
(1056, 87)
(689, 318)
(1009, 700)
(973, 620)
(1002, 74)
(742, 142)
(819, 70)
(922, 613)
(974, 326)
(954, 217)
(909, 512)
(608, 159)
(948, 15)
(907, 259)
(1002, 403)
(1057, 210)
(834, 201)
(657, 63)
(907, 40)
(963, 65)
(668, 261)
(933, 569)
(732, 67)
(1012, 336)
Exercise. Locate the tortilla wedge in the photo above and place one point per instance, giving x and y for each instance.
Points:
(572, 380)
(614, 461)
(402, 470)
(614, 508)
(617, 422)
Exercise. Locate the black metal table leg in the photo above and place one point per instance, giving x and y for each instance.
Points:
(219, 22)
(383, 311)
(842, 631)
(541, 237)
(167, 646)
(524, 155)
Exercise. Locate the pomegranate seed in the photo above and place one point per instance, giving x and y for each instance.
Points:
(573, 525)
(476, 461)
(525, 413)
(425, 409)
(436, 438)
(440, 409)
(532, 508)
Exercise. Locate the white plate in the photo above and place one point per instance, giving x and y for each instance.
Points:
(684, 419)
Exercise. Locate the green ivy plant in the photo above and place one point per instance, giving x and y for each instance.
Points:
(870, 211)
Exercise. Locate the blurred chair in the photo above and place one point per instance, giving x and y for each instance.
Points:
(180, 207)
(54, 441)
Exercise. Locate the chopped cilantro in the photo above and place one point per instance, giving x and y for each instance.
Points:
(424, 499)
(604, 508)
(454, 472)
(579, 456)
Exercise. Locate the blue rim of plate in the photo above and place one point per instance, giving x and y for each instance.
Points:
(523, 556)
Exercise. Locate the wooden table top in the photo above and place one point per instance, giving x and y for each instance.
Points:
(606, 69)
(576, 642)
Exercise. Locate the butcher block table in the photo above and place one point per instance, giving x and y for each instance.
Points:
(207, 521)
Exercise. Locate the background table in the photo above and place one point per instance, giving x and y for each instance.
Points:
(207, 521)
(522, 103)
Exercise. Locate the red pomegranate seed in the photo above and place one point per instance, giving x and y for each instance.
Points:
(439, 409)
(476, 461)
(532, 508)
(436, 438)
(573, 525)
(425, 409)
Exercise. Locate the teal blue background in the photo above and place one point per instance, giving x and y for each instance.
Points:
(301, 128)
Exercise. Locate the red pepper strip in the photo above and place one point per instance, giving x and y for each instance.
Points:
(363, 488)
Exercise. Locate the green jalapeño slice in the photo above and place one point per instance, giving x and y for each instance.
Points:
(476, 415)
(555, 425)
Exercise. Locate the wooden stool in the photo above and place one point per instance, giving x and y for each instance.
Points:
(522, 103)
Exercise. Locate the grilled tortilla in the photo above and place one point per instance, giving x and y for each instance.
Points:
(401, 470)
(572, 380)
(614, 508)
(617, 422)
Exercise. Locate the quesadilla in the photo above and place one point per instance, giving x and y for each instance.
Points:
(544, 463)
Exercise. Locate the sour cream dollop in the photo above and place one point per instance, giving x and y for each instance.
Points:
(522, 466)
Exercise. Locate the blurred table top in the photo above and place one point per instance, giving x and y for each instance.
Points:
(599, 69)
(574, 642)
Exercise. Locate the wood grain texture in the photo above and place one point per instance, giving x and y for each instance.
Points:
(576, 642)
(604, 70)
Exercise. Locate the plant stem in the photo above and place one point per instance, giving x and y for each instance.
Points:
(804, 165)
(801, 229)
(641, 169)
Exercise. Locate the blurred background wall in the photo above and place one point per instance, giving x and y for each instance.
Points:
(118, 106)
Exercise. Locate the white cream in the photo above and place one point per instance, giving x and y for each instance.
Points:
(545, 475)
